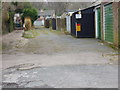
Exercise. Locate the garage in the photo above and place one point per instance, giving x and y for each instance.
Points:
(108, 23)
(83, 23)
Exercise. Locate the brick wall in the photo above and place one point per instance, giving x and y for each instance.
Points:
(115, 22)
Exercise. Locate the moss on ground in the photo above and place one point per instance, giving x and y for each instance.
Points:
(0, 47)
(56, 32)
(30, 34)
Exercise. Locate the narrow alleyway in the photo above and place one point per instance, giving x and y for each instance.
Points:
(54, 59)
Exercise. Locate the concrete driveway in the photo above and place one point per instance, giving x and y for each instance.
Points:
(56, 60)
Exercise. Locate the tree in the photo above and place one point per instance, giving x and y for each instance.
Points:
(30, 12)
(19, 6)
(7, 9)
(19, 11)
(60, 7)
(14, 3)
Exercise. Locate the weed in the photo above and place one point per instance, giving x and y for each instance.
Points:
(30, 34)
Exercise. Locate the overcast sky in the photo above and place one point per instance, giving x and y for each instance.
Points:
(59, 0)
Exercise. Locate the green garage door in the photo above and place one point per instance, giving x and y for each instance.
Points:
(108, 23)
(98, 23)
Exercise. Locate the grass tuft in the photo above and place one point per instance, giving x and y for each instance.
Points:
(30, 34)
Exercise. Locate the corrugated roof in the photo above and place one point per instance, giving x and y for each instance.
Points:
(97, 2)
(46, 12)
(85, 8)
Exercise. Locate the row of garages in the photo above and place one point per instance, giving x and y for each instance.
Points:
(107, 22)
(101, 22)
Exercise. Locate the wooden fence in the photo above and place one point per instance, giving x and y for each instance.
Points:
(61, 24)
(56, 24)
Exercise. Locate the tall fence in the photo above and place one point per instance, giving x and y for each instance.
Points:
(47, 23)
(56, 24)
(61, 24)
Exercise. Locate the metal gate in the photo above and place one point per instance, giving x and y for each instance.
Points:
(108, 23)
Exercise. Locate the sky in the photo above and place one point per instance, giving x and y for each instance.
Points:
(59, 0)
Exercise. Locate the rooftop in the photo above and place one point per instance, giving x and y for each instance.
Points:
(46, 12)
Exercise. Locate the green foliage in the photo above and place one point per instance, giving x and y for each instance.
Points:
(21, 5)
(59, 14)
(30, 12)
(27, 5)
(14, 3)
(19, 10)
(45, 9)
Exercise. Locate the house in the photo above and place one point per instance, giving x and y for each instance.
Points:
(107, 22)
(39, 22)
(42, 16)
(46, 13)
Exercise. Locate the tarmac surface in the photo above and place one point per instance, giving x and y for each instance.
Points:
(56, 60)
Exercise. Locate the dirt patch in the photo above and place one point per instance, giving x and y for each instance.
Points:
(113, 57)
(13, 40)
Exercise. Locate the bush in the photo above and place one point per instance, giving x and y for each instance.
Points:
(30, 12)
